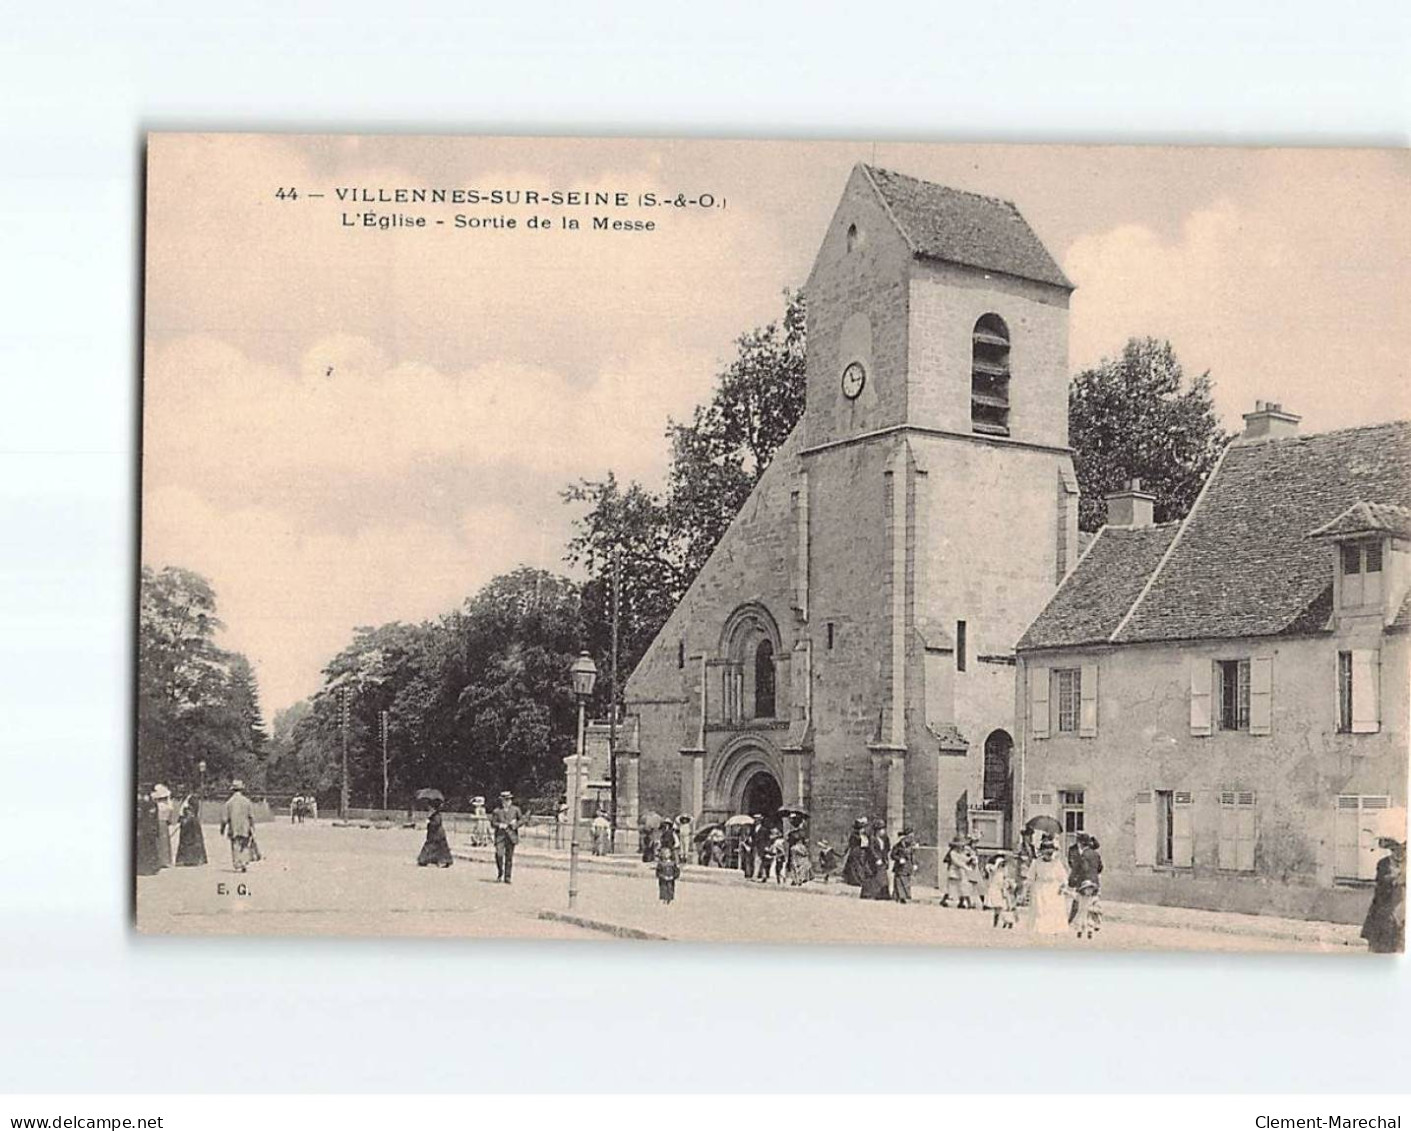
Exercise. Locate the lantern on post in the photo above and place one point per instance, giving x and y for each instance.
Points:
(585, 674)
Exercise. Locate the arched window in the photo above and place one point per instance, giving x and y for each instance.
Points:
(764, 680)
(854, 238)
(989, 376)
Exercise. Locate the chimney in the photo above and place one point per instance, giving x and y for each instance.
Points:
(1131, 508)
(1269, 421)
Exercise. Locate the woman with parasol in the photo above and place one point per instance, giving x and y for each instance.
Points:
(436, 850)
(1048, 905)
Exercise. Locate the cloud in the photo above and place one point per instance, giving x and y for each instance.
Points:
(1294, 290)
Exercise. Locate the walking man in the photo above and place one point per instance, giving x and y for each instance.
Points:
(506, 821)
(237, 822)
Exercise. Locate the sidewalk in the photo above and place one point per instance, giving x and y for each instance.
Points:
(1261, 927)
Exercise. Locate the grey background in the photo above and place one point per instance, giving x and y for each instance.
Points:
(87, 1006)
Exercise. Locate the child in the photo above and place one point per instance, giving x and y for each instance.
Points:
(999, 892)
(827, 860)
(1089, 917)
(668, 872)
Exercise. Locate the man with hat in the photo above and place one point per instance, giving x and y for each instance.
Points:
(505, 821)
(237, 822)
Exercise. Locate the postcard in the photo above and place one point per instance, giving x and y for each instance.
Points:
(790, 542)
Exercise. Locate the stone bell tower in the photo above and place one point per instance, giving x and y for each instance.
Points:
(938, 495)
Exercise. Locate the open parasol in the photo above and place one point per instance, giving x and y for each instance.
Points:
(430, 795)
(705, 830)
(1043, 823)
(650, 820)
(737, 820)
(786, 811)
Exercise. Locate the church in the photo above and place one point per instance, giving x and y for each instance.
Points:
(849, 648)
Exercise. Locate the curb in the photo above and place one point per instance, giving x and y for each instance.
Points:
(1134, 914)
(599, 925)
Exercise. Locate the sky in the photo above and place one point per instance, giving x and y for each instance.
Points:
(346, 426)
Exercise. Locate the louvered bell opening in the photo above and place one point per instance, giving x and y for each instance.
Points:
(989, 377)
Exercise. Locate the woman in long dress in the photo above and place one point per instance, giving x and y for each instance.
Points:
(191, 841)
(876, 864)
(854, 863)
(162, 796)
(1385, 925)
(1048, 903)
(148, 854)
(436, 850)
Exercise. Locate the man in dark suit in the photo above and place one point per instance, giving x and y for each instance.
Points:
(506, 820)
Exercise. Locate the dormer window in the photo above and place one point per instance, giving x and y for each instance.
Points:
(989, 376)
(1361, 565)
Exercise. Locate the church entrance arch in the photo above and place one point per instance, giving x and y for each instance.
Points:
(762, 794)
(746, 778)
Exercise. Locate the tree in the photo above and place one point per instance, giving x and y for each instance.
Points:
(662, 541)
(718, 458)
(196, 701)
(1136, 417)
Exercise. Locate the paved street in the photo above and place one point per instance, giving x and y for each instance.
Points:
(320, 880)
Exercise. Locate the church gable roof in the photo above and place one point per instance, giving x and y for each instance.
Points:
(1093, 599)
(1244, 564)
(964, 227)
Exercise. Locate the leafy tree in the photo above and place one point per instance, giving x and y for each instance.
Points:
(720, 455)
(196, 701)
(1137, 417)
(663, 541)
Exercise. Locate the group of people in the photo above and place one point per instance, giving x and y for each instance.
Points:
(769, 849)
(881, 869)
(160, 822)
(168, 834)
(303, 808)
(503, 825)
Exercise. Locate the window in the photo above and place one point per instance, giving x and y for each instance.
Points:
(989, 376)
(854, 237)
(830, 636)
(764, 680)
(680, 653)
(1237, 831)
(1361, 573)
(1360, 822)
(1069, 688)
(1070, 803)
(1359, 692)
(1232, 689)
(960, 645)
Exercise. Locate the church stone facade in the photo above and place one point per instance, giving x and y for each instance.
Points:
(849, 647)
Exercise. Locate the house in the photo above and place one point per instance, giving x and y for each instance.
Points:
(1223, 701)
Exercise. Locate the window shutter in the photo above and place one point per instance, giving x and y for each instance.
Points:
(1146, 830)
(1376, 822)
(1038, 702)
(1201, 674)
(1229, 831)
(1347, 839)
(1182, 841)
(1366, 713)
(1087, 718)
(1245, 834)
(1261, 694)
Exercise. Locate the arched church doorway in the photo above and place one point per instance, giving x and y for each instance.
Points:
(761, 794)
(999, 776)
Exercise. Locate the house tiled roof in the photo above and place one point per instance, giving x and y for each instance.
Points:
(965, 228)
(1367, 518)
(1243, 563)
(1091, 603)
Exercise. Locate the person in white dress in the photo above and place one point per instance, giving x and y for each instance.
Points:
(1048, 904)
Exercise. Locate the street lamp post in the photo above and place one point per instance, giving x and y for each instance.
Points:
(343, 787)
(585, 674)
